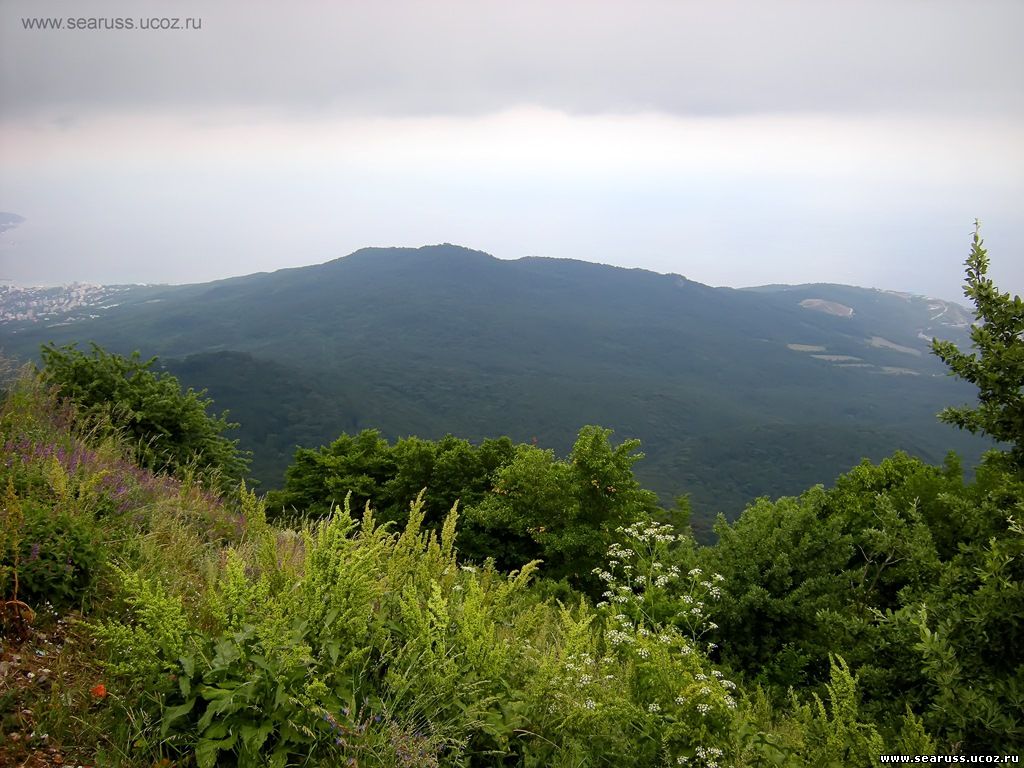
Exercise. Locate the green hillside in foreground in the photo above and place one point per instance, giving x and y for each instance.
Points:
(733, 394)
(148, 619)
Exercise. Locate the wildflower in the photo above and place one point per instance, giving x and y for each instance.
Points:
(589, 704)
(99, 691)
(643, 653)
(680, 700)
(703, 708)
(653, 707)
(615, 637)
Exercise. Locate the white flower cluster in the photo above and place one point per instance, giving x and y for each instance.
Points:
(638, 587)
(649, 532)
(694, 611)
(618, 637)
(584, 676)
(709, 756)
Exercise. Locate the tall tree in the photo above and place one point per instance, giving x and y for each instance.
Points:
(996, 367)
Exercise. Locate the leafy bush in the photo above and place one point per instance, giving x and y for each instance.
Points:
(170, 429)
(969, 631)
(521, 502)
(60, 556)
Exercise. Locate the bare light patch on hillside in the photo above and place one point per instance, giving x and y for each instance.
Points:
(948, 313)
(878, 341)
(805, 348)
(899, 371)
(828, 307)
(837, 358)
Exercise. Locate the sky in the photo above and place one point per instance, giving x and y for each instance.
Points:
(733, 142)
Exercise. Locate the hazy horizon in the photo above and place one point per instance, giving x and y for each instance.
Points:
(734, 142)
(28, 285)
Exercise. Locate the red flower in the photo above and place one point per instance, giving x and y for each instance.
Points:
(99, 691)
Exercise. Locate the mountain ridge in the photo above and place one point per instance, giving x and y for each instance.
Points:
(447, 339)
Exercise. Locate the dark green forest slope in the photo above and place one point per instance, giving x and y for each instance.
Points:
(734, 394)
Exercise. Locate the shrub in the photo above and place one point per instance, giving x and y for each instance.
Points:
(170, 429)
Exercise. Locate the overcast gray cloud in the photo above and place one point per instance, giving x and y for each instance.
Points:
(735, 142)
(400, 57)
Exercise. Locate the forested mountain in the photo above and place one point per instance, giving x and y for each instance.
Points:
(733, 393)
(439, 603)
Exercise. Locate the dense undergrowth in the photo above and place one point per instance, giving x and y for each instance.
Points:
(203, 634)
